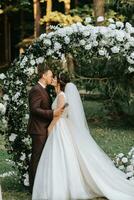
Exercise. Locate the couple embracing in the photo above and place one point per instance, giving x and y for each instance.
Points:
(66, 162)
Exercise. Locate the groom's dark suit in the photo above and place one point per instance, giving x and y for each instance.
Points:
(40, 117)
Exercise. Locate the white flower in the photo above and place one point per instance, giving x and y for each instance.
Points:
(102, 52)
(120, 35)
(2, 76)
(115, 49)
(130, 168)
(132, 55)
(121, 167)
(2, 109)
(26, 180)
(120, 155)
(30, 71)
(47, 42)
(18, 82)
(16, 96)
(130, 60)
(42, 36)
(86, 33)
(100, 19)
(95, 43)
(82, 42)
(124, 160)
(88, 20)
(119, 24)
(57, 46)
(67, 40)
(5, 97)
(26, 116)
(12, 137)
(112, 26)
(49, 52)
(131, 69)
(111, 20)
(88, 46)
(23, 157)
(40, 60)
(32, 62)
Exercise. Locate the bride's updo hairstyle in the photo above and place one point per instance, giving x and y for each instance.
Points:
(63, 79)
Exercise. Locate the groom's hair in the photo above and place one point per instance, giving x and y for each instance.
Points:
(42, 69)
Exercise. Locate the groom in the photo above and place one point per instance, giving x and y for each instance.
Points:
(41, 115)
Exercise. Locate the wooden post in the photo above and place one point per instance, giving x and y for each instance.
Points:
(99, 9)
(37, 13)
(48, 11)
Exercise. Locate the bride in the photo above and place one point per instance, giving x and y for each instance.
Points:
(72, 165)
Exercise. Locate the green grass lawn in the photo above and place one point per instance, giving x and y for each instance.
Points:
(113, 137)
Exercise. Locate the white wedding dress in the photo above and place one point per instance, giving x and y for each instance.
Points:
(72, 165)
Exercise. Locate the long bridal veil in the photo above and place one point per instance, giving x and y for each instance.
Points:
(98, 170)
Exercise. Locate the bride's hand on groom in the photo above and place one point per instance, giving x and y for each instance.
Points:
(58, 112)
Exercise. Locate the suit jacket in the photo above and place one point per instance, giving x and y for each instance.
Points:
(41, 113)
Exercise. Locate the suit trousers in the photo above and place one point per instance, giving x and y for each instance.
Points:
(38, 142)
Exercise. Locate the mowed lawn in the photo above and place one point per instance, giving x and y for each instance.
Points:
(113, 137)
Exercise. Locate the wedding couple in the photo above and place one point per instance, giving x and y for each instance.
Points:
(66, 162)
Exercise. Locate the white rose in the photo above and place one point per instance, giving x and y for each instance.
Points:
(124, 160)
(82, 42)
(39, 60)
(42, 36)
(2, 108)
(23, 157)
(32, 62)
(26, 116)
(112, 26)
(5, 97)
(2, 76)
(131, 69)
(131, 61)
(88, 20)
(120, 155)
(115, 49)
(57, 46)
(67, 40)
(130, 168)
(30, 71)
(95, 43)
(121, 167)
(119, 24)
(50, 52)
(88, 46)
(102, 52)
(26, 180)
(111, 20)
(47, 42)
(12, 137)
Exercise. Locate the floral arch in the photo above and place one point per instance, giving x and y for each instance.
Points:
(104, 54)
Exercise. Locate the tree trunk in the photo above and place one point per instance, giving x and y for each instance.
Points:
(67, 6)
(37, 14)
(99, 8)
(48, 11)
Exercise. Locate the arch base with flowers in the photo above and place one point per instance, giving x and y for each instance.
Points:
(103, 59)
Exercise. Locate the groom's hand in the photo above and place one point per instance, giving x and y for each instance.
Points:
(58, 112)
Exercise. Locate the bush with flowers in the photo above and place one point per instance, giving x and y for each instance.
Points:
(126, 163)
(104, 59)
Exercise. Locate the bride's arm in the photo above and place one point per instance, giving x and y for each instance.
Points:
(60, 104)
